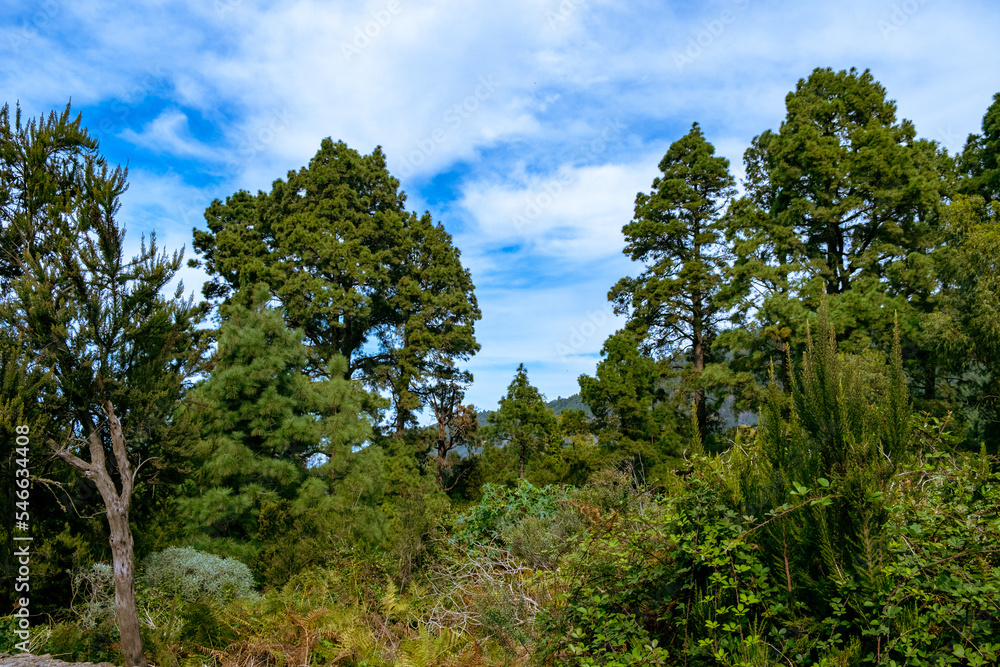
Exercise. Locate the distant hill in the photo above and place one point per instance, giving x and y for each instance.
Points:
(574, 402)
(557, 406)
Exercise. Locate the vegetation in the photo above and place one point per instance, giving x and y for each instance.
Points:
(261, 493)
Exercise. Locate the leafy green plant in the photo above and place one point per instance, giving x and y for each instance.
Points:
(501, 508)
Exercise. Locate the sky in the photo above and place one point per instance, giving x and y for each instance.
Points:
(525, 127)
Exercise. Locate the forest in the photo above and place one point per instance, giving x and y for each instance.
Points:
(788, 454)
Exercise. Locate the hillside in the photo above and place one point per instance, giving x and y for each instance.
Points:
(557, 405)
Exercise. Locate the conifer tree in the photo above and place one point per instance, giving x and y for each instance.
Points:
(842, 200)
(523, 423)
(965, 327)
(271, 436)
(358, 274)
(678, 233)
(114, 352)
(979, 163)
(630, 400)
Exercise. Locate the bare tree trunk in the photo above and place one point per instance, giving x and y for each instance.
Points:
(698, 350)
(125, 608)
(116, 505)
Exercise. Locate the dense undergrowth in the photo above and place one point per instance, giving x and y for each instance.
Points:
(843, 530)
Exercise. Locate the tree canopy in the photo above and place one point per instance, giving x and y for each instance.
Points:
(358, 274)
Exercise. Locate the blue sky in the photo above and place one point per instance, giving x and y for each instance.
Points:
(526, 127)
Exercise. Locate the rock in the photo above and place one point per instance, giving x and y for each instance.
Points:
(29, 660)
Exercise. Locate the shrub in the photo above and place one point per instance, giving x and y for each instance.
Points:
(502, 508)
(70, 642)
(93, 595)
(193, 576)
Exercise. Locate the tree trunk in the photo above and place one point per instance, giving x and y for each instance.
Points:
(698, 349)
(442, 453)
(930, 380)
(116, 504)
(701, 412)
(123, 560)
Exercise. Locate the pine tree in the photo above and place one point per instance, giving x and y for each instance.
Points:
(634, 413)
(271, 437)
(358, 274)
(979, 163)
(965, 328)
(842, 200)
(678, 233)
(523, 423)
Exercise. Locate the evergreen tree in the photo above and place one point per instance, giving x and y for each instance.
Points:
(113, 351)
(979, 163)
(678, 233)
(523, 424)
(965, 327)
(274, 442)
(842, 200)
(634, 412)
(360, 276)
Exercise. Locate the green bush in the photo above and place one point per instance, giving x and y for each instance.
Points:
(196, 576)
(833, 537)
(72, 643)
(502, 508)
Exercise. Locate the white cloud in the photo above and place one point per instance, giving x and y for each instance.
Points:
(169, 133)
(574, 214)
(272, 79)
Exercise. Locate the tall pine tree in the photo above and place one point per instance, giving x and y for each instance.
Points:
(358, 274)
(842, 200)
(678, 232)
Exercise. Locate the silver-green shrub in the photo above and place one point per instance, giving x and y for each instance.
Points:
(196, 575)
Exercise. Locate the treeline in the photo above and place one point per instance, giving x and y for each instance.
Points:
(244, 480)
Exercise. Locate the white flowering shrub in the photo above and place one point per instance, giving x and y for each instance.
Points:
(195, 575)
